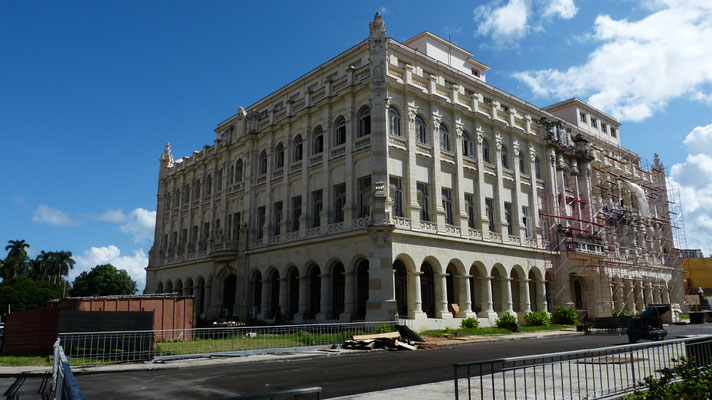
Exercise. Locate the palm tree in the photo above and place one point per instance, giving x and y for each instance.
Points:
(62, 263)
(41, 265)
(16, 261)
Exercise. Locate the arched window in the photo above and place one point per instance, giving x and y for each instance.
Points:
(318, 140)
(505, 158)
(220, 179)
(444, 138)
(279, 156)
(522, 164)
(364, 122)
(197, 189)
(209, 185)
(159, 288)
(297, 154)
(537, 168)
(238, 171)
(421, 130)
(468, 145)
(486, 151)
(340, 131)
(187, 194)
(263, 162)
(393, 122)
(169, 287)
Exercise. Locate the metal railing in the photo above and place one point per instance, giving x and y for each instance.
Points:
(132, 346)
(581, 374)
(282, 394)
(64, 385)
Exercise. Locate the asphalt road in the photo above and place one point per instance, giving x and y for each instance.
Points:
(339, 375)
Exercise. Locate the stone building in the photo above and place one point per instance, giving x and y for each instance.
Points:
(394, 181)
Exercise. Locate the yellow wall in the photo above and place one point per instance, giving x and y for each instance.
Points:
(699, 271)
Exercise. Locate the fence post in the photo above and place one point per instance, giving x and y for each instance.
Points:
(632, 367)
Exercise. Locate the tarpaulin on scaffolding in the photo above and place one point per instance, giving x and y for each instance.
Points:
(642, 199)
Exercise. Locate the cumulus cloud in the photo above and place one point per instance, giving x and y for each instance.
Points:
(694, 177)
(112, 216)
(507, 22)
(565, 9)
(133, 264)
(51, 216)
(638, 66)
(139, 223)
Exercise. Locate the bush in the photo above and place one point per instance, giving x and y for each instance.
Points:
(506, 321)
(621, 312)
(565, 316)
(470, 323)
(540, 318)
(686, 380)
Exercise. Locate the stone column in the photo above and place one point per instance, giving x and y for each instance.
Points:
(524, 301)
(629, 296)
(411, 177)
(486, 293)
(325, 298)
(542, 296)
(436, 183)
(465, 300)
(349, 297)
(482, 220)
(507, 293)
(518, 228)
(442, 311)
(649, 288)
(284, 297)
(417, 295)
(264, 302)
(498, 188)
(640, 301)
(666, 291)
(534, 196)
(303, 299)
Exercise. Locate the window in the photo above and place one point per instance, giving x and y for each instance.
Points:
(485, 151)
(339, 202)
(444, 138)
(187, 194)
(522, 164)
(236, 227)
(260, 221)
(604, 127)
(594, 122)
(206, 232)
(209, 185)
(317, 206)
(489, 205)
(526, 222)
(217, 227)
(470, 206)
(475, 72)
(614, 132)
(447, 205)
(583, 117)
(421, 130)
(423, 200)
(279, 156)
(566, 180)
(238, 171)
(263, 162)
(220, 179)
(505, 159)
(393, 122)
(318, 140)
(339, 132)
(277, 218)
(487, 100)
(297, 155)
(167, 201)
(296, 212)
(177, 201)
(364, 123)
(537, 168)
(396, 195)
(364, 196)
(197, 189)
(468, 145)
(508, 217)
(194, 235)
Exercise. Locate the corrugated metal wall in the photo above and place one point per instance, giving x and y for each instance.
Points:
(33, 331)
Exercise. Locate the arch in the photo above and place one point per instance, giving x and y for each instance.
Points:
(256, 284)
(534, 296)
(444, 137)
(169, 287)
(262, 164)
(421, 130)
(364, 121)
(486, 151)
(189, 287)
(504, 156)
(179, 287)
(517, 277)
(452, 288)
(279, 156)
(393, 121)
(427, 288)
(238, 171)
(298, 149)
(362, 287)
(159, 287)
(468, 145)
(400, 276)
(273, 279)
(338, 289)
(339, 131)
(229, 290)
(293, 299)
(314, 289)
(499, 277)
(318, 140)
(478, 275)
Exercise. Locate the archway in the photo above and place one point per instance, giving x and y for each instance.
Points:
(314, 290)
(189, 287)
(427, 289)
(401, 288)
(229, 287)
(159, 288)
(293, 292)
(169, 287)
(338, 290)
(179, 287)
(578, 294)
(361, 289)
(477, 280)
(514, 283)
(274, 294)
(534, 295)
(498, 303)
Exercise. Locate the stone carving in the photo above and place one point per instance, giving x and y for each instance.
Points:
(556, 131)
(377, 27)
(412, 113)
(167, 157)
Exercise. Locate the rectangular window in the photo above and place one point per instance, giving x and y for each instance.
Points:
(470, 205)
(261, 215)
(217, 228)
(604, 127)
(489, 205)
(583, 117)
(526, 221)
(508, 217)
(174, 239)
(277, 217)
(296, 212)
(317, 205)
(397, 195)
(364, 196)
(487, 100)
(194, 236)
(206, 232)
(339, 202)
(614, 132)
(236, 227)
(164, 242)
(594, 122)
(423, 201)
(447, 205)
(184, 237)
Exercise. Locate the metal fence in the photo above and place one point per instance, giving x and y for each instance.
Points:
(63, 383)
(582, 374)
(131, 346)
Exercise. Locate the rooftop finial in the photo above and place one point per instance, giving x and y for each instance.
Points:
(377, 26)
(167, 157)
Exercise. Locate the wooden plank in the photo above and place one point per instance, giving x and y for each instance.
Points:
(387, 335)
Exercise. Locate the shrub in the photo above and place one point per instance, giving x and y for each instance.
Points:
(565, 316)
(621, 312)
(506, 321)
(540, 318)
(470, 323)
(686, 380)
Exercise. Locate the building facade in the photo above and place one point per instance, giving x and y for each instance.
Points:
(394, 181)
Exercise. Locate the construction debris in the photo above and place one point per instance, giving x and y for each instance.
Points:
(403, 338)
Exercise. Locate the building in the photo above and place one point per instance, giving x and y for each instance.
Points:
(394, 180)
(691, 253)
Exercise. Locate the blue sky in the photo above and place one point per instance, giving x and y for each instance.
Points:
(91, 91)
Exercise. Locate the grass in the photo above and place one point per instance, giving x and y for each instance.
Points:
(24, 361)
(489, 330)
(685, 316)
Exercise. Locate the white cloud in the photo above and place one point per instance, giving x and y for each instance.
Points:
(133, 264)
(703, 97)
(638, 66)
(112, 216)
(140, 223)
(565, 9)
(52, 216)
(504, 23)
(694, 176)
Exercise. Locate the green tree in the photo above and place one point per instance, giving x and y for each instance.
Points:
(39, 267)
(23, 293)
(103, 280)
(61, 262)
(15, 263)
